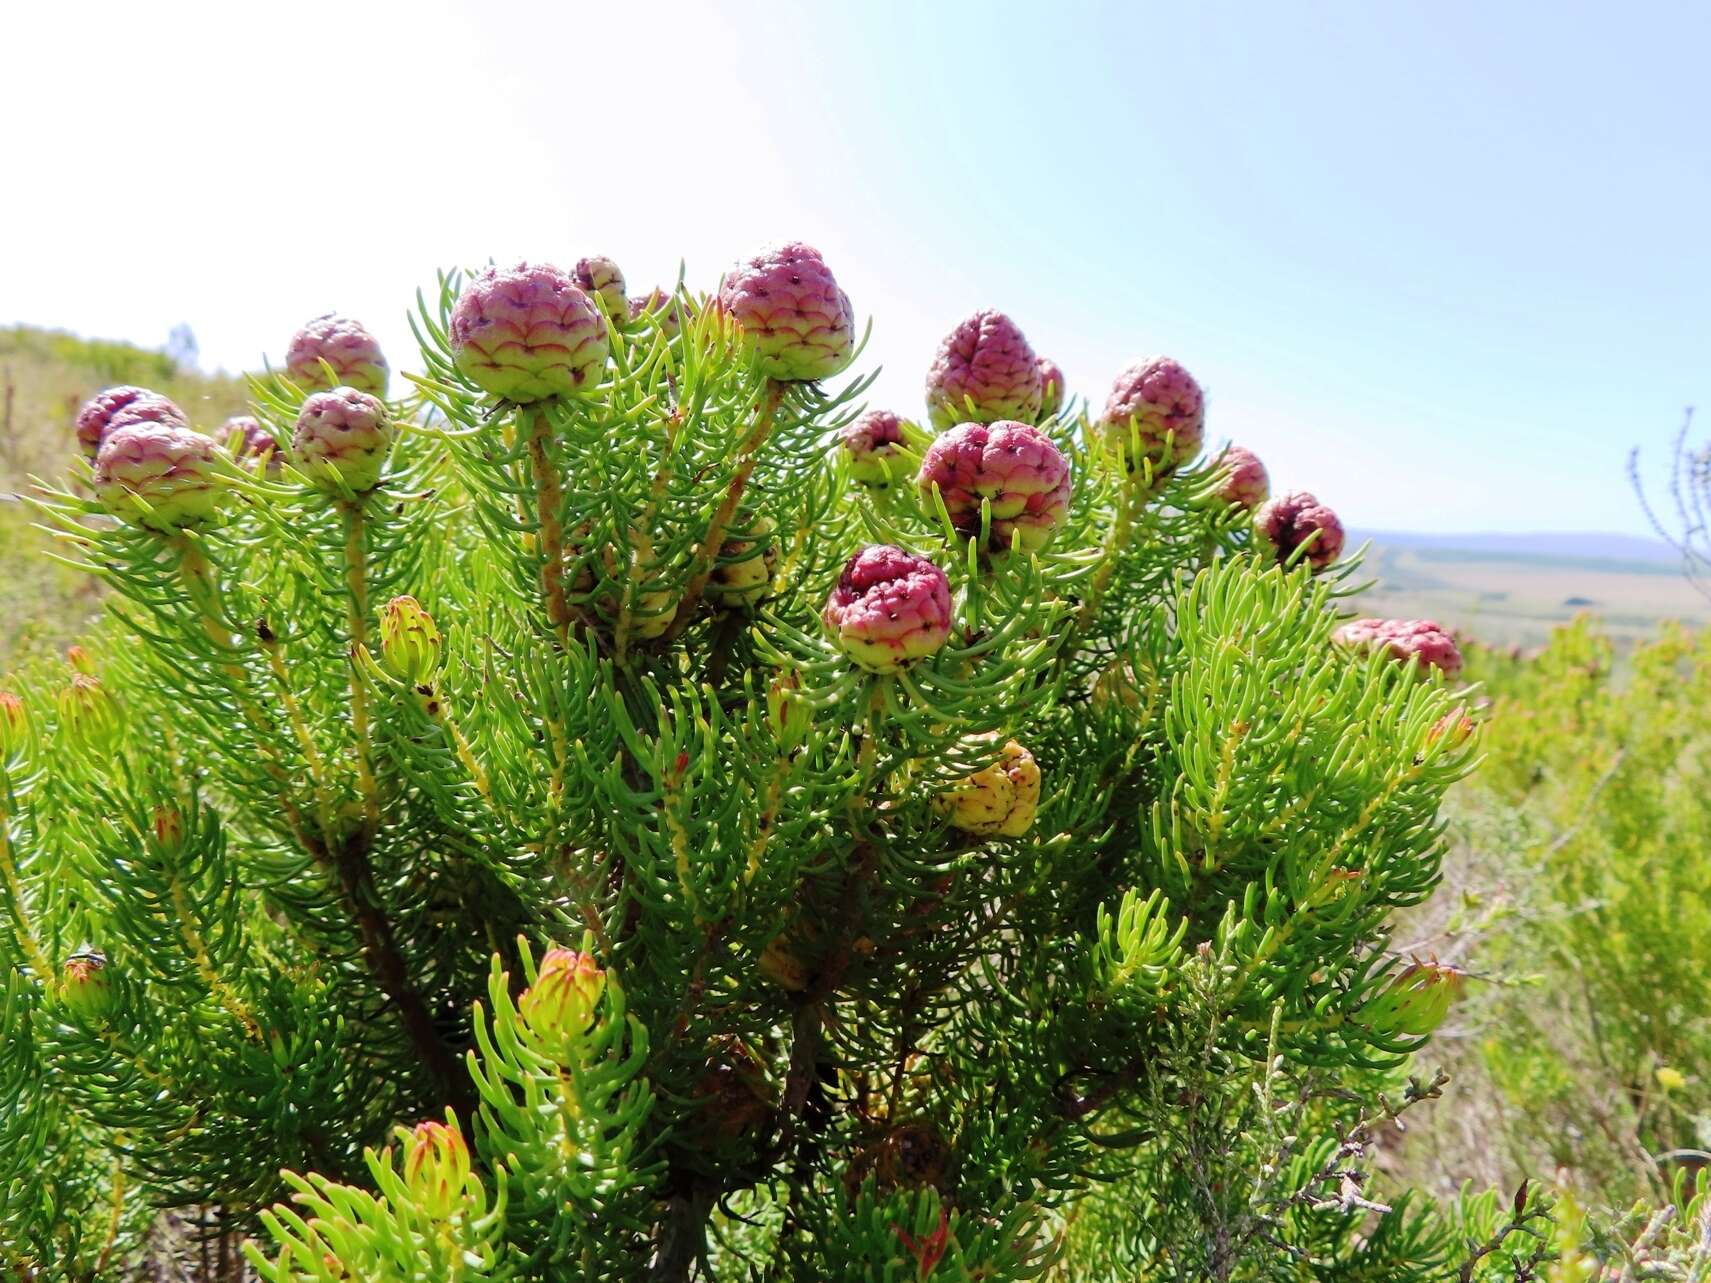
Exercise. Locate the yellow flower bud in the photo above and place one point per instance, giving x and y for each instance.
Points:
(436, 1167)
(999, 800)
(559, 1007)
(409, 641)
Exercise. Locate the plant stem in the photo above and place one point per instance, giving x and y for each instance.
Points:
(707, 554)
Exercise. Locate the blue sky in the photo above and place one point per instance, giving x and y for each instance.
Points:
(1441, 263)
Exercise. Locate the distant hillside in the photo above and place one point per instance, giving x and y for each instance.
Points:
(1571, 545)
(1516, 588)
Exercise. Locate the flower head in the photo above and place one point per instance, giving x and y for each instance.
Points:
(790, 308)
(1013, 468)
(88, 716)
(249, 441)
(1157, 413)
(85, 989)
(998, 800)
(986, 363)
(1415, 1000)
(603, 281)
(436, 1167)
(409, 641)
(871, 444)
(342, 436)
(559, 1007)
(1052, 395)
(1409, 641)
(1242, 478)
(334, 351)
(890, 608)
(663, 308)
(528, 332)
(14, 725)
(1295, 522)
(116, 407)
(742, 576)
(159, 475)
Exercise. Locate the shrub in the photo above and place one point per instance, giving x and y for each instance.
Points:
(563, 826)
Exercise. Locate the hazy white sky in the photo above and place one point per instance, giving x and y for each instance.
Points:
(1439, 262)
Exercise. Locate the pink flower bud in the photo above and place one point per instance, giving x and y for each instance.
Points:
(1052, 396)
(158, 475)
(1243, 482)
(342, 436)
(790, 307)
(985, 361)
(602, 280)
(871, 443)
(663, 308)
(1408, 641)
(352, 352)
(116, 407)
(999, 800)
(249, 441)
(890, 608)
(1157, 413)
(436, 1168)
(1295, 520)
(1013, 467)
(528, 332)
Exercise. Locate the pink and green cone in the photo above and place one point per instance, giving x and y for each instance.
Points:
(159, 475)
(1242, 479)
(117, 407)
(353, 353)
(1296, 520)
(1013, 467)
(872, 444)
(1408, 641)
(1157, 413)
(528, 332)
(663, 308)
(984, 371)
(244, 436)
(790, 308)
(1052, 395)
(342, 436)
(603, 281)
(890, 609)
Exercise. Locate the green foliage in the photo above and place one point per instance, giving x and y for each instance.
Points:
(811, 1030)
(1597, 780)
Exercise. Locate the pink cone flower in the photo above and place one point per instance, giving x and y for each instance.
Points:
(1243, 481)
(172, 469)
(342, 436)
(1051, 388)
(115, 407)
(889, 609)
(872, 443)
(351, 351)
(1167, 410)
(662, 307)
(985, 360)
(253, 440)
(1285, 524)
(1406, 640)
(603, 281)
(1013, 467)
(790, 307)
(528, 332)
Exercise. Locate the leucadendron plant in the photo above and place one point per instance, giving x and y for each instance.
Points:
(616, 810)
